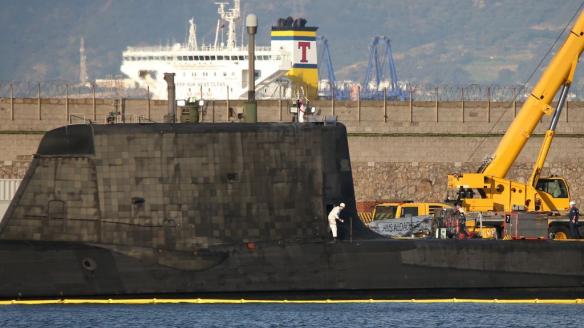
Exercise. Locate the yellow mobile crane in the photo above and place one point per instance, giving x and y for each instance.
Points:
(488, 189)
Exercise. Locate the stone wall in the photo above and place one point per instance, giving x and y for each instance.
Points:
(424, 181)
(422, 141)
(416, 167)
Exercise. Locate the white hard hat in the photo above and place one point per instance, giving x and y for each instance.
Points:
(342, 205)
(572, 202)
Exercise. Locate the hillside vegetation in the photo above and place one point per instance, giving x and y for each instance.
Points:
(439, 41)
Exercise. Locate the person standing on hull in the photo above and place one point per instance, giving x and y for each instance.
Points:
(574, 215)
(333, 216)
(461, 224)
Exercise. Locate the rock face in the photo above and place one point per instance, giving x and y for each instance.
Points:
(182, 187)
(428, 181)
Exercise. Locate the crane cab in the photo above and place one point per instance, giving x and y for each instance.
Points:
(553, 194)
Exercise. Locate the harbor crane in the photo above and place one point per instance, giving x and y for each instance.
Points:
(329, 87)
(381, 72)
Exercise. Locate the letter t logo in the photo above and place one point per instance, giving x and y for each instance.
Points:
(303, 45)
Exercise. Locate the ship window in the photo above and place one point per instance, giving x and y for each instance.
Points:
(240, 57)
(150, 58)
(212, 57)
(197, 58)
(168, 58)
(219, 57)
(245, 57)
(206, 57)
(191, 58)
(266, 57)
(233, 57)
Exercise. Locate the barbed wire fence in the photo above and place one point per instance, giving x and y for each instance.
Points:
(418, 92)
(63, 89)
(478, 92)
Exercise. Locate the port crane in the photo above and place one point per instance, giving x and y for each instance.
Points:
(488, 189)
(381, 72)
(332, 88)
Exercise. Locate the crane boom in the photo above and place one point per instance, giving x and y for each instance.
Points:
(489, 190)
(559, 72)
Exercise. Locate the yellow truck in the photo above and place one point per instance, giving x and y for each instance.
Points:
(397, 210)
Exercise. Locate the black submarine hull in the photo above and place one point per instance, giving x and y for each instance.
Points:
(236, 210)
(348, 270)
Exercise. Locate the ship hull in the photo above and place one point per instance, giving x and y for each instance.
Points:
(236, 210)
(357, 270)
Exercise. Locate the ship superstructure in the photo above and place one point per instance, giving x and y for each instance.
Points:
(219, 71)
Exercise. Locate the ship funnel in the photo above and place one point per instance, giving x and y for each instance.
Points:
(170, 116)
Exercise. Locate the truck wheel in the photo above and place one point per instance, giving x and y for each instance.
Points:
(559, 233)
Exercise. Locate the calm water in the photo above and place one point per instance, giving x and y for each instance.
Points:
(293, 315)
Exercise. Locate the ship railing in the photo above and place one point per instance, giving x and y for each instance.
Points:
(118, 118)
(78, 119)
(202, 48)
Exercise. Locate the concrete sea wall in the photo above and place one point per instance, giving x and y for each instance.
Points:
(399, 150)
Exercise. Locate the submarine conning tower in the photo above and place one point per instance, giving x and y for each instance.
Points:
(184, 186)
(297, 39)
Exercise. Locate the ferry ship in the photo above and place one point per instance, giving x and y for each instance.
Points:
(219, 71)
